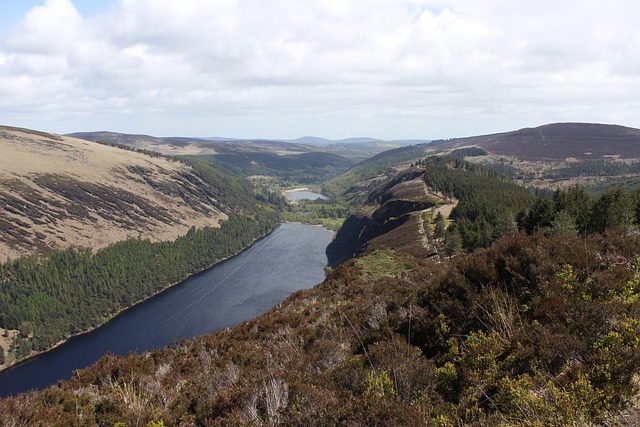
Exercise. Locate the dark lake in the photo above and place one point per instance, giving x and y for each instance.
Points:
(292, 257)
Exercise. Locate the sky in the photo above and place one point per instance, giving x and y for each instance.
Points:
(283, 69)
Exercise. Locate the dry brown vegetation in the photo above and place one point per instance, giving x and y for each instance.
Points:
(532, 331)
(59, 191)
(558, 141)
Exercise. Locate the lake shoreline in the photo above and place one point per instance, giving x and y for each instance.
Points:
(290, 258)
(35, 355)
(290, 194)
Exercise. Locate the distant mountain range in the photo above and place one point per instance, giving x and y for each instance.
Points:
(314, 140)
(355, 149)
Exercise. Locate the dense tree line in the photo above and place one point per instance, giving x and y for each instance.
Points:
(304, 168)
(234, 193)
(488, 202)
(149, 153)
(573, 211)
(461, 153)
(73, 290)
(491, 206)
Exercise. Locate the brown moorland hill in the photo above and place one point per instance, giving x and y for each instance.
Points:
(57, 191)
(558, 141)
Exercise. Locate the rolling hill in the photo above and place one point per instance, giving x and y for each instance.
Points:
(192, 146)
(258, 157)
(354, 185)
(596, 156)
(305, 160)
(557, 141)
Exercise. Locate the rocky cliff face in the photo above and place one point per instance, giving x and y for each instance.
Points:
(391, 218)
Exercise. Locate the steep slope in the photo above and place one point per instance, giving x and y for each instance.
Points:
(58, 191)
(355, 184)
(390, 218)
(400, 213)
(105, 228)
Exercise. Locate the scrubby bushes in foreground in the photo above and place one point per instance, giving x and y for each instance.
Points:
(531, 331)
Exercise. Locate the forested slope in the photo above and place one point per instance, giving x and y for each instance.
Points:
(556, 155)
(72, 291)
(594, 155)
(354, 185)
(304, 168)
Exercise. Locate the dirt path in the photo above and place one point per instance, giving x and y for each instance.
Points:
(428, 215)
(5, 343)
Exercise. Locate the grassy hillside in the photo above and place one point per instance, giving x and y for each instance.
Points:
(358, 150)
(556, 155)
(560, 155)
(558, 141)
(57, 192)
(282, 160)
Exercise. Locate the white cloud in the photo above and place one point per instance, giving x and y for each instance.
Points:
(381, 67)
(48, 29)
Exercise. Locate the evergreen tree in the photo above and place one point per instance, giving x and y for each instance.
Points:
(576, 202)
(613, 209)
(452, 242)
(539, 217)
(505, 225)
(440, 227)
(563, 224)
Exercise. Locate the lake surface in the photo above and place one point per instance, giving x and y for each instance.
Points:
(292, 257)
(302, 195)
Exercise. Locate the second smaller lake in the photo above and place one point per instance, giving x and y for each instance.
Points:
(303, 195)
